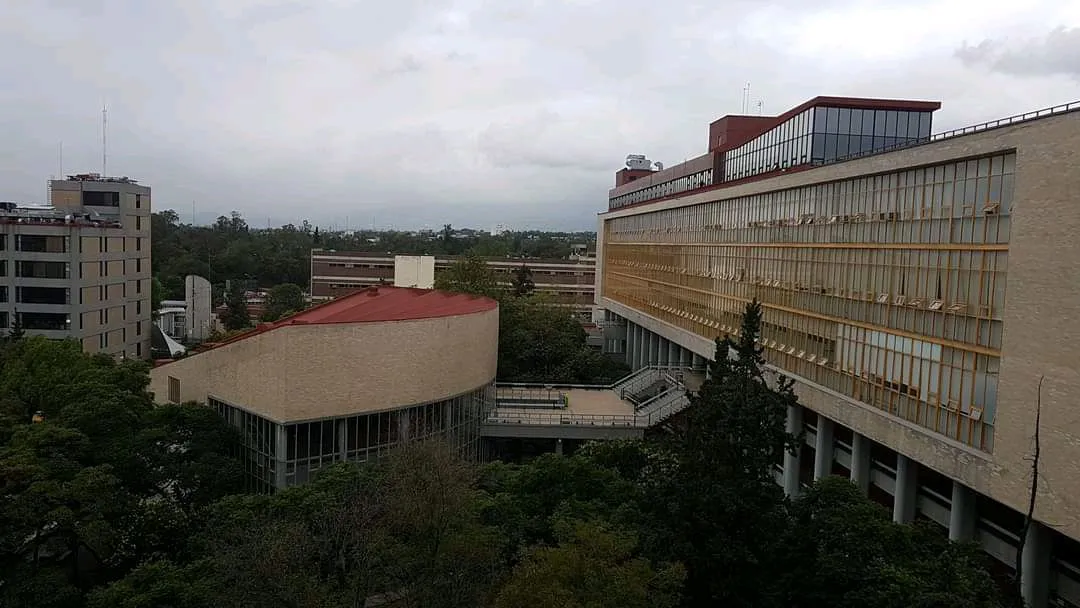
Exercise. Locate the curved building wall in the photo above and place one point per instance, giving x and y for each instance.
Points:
(306, 372)
(305, 396)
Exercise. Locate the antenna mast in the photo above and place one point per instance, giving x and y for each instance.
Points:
(104, 140)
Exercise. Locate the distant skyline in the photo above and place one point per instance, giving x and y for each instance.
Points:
(470, 112)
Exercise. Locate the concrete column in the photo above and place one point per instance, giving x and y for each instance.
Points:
(962, 514)
(654, 349)
(639, 347)
(791, 461)
(663, 347)
(342, 440)
(1035, 576)
(860, 461)
(630, 345)
(686, 358)
(281, 448)
(558, 447)
(906, 491)
(823, 448)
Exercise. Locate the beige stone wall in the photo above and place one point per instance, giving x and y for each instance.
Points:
(1042, 319)
(302, 372)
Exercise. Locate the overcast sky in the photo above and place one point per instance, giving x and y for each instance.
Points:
(474, 112)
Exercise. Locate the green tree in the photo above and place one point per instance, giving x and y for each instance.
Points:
(16, 331)
(157, 291)
(284, 299)
(723, 490)
(591, 567)
(523, 282)
(470, 274)
(236, 314)
(844, 551)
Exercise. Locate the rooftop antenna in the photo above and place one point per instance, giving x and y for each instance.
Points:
(760, 105)
(104, 139)
(60, 175)
(746, 98)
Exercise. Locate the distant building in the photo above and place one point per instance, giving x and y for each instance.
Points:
(414, 271)
(199, 305)
(347, 380)
(171, 318)
(569, 282)
(80, 267)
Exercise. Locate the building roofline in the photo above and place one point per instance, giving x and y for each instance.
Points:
(304, 317)
(1058, 110)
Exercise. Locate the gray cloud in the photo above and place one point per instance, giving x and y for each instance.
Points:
(466, 111)
(1056, 53)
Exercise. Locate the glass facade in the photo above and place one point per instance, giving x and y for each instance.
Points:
(816, 136)
(701, 179)
(279, 456)
(887, 288)
(823, 135)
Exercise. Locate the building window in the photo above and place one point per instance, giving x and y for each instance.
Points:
(138, 306)
(138, 222)
(103, 340)
(138, 286)
(138, 264)
(138, 349)
(138, 328)
(174, 389)
(101, 199)
(3, 293)
(138, 243)
(138, 205)
(50, 321)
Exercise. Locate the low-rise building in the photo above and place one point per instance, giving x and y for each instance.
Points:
(570, 282)
(347, 379)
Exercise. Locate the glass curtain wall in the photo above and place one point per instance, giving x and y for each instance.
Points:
(279, 456)
(888, 288)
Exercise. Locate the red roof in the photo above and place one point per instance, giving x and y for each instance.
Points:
(377, 304)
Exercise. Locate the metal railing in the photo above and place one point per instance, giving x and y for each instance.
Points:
(959, 132)
(968, 130)
(557, 418)
(529, 396)
(648, 413)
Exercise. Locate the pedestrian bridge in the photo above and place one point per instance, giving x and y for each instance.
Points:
(623, 410)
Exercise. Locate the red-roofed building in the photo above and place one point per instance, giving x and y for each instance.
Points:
(347, 379)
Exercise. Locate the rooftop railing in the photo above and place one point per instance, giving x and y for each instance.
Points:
(968, 130)
(911, 143)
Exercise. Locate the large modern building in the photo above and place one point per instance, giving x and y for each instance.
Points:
(923, 290)
(80, 267)
(347, 380)
(570, 282)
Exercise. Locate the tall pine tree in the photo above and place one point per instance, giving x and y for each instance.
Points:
(728, 512)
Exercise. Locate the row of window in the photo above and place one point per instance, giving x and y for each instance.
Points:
(701, 179)
(931, 280)
(948, 390)
(855, 210)
(310, 446)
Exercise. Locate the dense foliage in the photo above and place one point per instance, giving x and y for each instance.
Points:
(231, 250)
(112, 502)
(539, 341)
(106, 481)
